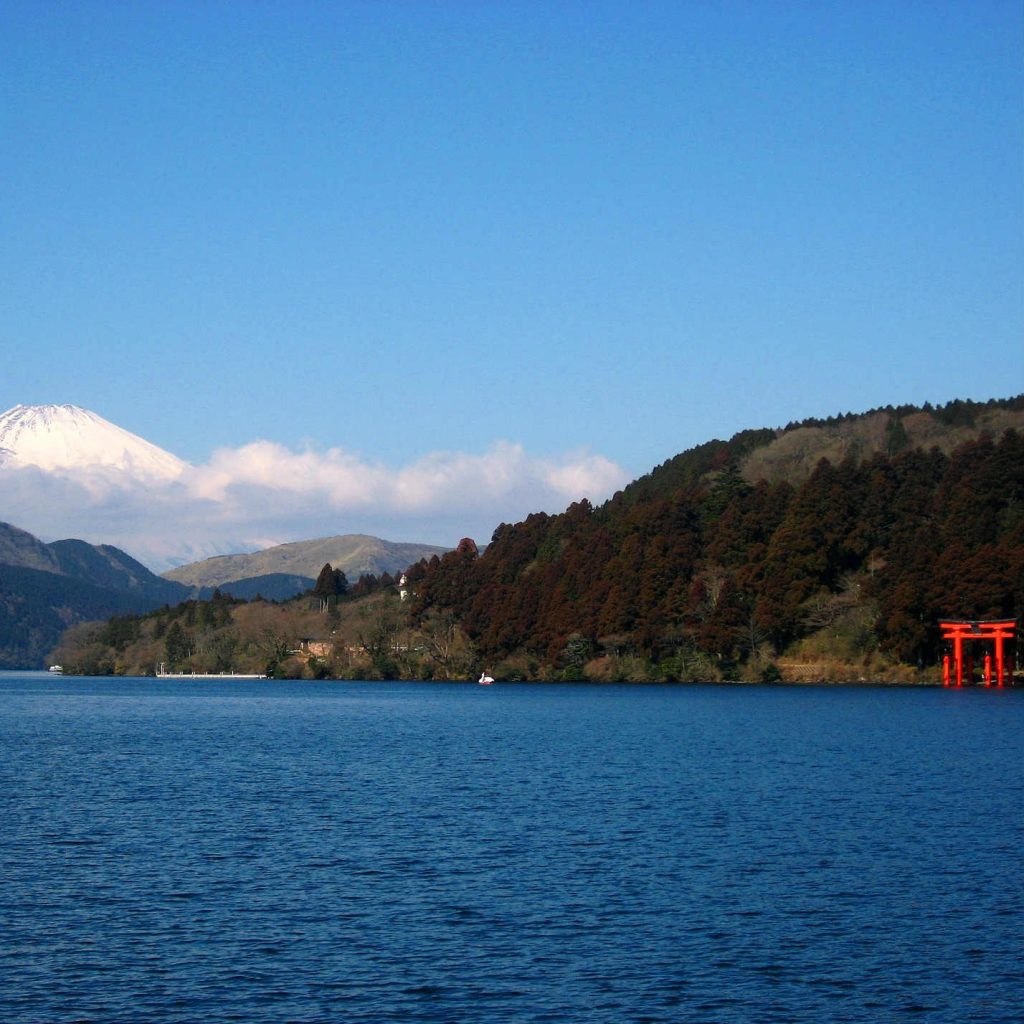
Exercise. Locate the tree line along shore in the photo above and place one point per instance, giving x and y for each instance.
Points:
(692, 573)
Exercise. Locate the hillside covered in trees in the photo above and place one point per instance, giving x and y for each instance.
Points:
(757, 558)
(695, 571)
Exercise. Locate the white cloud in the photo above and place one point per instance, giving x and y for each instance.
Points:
(264, 493)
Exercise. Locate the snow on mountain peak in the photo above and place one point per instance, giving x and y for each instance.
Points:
(67, 437)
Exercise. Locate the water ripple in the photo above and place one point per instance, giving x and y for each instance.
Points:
(368, 852)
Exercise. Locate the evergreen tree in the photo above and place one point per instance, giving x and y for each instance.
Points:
(326, 587)
(177, 645)
(896, 437)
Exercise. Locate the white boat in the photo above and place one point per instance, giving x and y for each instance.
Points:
(57, 670)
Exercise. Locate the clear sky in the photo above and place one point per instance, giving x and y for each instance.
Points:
(407, 228)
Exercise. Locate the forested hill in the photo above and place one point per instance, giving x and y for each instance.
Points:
(791, 453)
(730, 558)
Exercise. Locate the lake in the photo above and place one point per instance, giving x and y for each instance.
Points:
(286, 851)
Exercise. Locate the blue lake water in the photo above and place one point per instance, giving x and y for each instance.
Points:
(264, 851)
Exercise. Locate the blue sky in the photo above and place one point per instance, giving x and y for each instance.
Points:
(406, 228)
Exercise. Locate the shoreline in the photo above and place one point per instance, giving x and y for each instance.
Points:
(779, 684)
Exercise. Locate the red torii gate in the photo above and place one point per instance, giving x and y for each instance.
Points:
(958, 632)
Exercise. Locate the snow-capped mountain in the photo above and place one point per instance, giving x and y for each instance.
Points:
(66, 437)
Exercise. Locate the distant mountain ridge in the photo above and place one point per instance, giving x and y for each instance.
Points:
(20, 548)
(353, 554)
(99, 565)
(44, 588)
